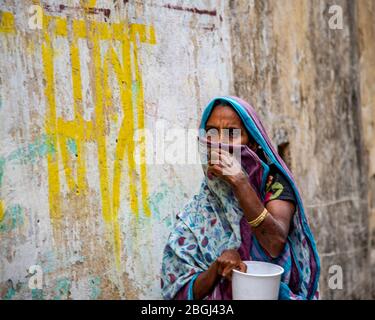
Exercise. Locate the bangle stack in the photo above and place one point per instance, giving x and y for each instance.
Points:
(257, 221)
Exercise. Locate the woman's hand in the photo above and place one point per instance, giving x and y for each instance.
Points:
(224, 165)
(229, 260)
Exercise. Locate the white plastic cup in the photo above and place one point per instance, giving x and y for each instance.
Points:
(260, 282)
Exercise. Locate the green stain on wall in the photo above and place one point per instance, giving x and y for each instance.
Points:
(72, 146)
(62, 290)
(135, 89)
(10, 294)
(37, 294)
(154, 201)
(48, 261)
(2, 163)
(13, 218)
(157, 198)
(95, 290)
(10, 290)
(39, 148)
(160, 200)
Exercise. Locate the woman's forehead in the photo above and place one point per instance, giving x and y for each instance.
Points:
(223, 112)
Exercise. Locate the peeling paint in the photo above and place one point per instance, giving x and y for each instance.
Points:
(12, 218)
(41, 147)
(72, 146)
(10, 294)
(95, 290)
(37, 294)
(62, 289)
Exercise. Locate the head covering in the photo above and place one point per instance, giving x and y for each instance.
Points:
(213, 221)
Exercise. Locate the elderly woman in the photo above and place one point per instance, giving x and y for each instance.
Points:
(255, 213)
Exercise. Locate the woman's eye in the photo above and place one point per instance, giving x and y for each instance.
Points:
(234, 133)
(228, 133)
(212, 132)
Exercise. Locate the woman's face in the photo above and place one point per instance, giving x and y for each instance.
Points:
(225, 126)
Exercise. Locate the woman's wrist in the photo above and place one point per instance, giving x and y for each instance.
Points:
(247, 197)
(214, 269)
(206, 281)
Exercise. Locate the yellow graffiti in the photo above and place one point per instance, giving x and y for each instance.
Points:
(50, 124)
(81, 131)
(88, 3)
(6, 22)
(2, 211)
(6, 26)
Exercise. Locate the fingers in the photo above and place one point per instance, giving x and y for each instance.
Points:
(221, 160)
(221, 156)
(221, 150)
(214, 158)
(227, 272)
(226, 267)
(243, 267)
(215, 170)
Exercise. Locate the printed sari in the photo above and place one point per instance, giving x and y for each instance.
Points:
(213, 221)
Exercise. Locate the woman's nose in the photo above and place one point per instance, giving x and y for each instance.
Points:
(213, 135)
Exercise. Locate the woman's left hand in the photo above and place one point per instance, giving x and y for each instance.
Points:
(224, 166)
(229, 260)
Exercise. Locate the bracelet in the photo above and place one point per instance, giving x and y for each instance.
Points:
(257, 221)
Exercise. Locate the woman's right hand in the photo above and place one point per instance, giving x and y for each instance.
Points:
(229, 260)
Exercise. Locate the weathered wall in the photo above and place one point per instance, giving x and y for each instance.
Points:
(73, 199)
(303, 78)
(366, 27)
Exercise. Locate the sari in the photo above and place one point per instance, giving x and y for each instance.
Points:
(213, 221)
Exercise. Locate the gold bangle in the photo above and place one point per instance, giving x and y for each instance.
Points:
(257, 221)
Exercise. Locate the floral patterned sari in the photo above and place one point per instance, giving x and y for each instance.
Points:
(213, 221)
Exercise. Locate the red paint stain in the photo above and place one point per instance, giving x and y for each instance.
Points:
(193, 10)
(91, 10)
(212, 28)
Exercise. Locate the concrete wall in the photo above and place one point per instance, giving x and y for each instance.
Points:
(366, 32)
(304, 79)
(73, 94)
(73, 198)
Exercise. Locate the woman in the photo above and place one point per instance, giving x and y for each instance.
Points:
(255, 213)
